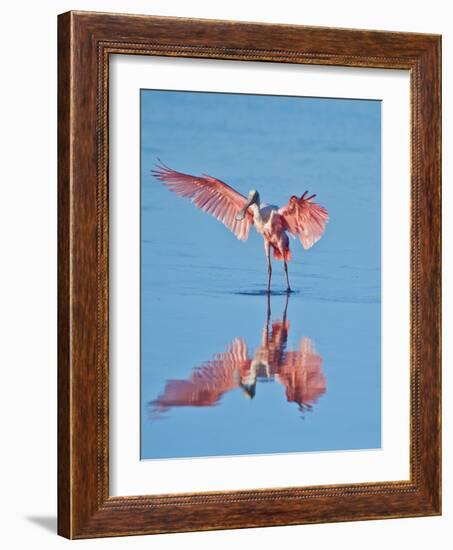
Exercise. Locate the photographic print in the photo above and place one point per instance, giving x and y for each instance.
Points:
(249, 274)
(260, 271)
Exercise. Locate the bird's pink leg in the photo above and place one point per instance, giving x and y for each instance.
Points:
(267, 248)
(288, 288)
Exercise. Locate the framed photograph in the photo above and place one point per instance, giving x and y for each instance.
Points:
(249, 275)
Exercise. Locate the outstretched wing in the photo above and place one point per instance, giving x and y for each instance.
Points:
(301, 374)
(210, 195)
(208, 382)
(304, 219)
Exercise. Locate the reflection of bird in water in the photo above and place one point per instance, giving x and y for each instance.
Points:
(298, 371)
(301, 217)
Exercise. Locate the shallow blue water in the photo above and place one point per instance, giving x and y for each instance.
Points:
(204, 309)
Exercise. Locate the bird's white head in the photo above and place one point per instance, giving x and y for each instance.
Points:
(253, 198)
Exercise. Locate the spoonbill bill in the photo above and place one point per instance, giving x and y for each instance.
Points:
(301, 217)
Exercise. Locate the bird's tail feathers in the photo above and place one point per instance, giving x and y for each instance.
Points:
(286, 255)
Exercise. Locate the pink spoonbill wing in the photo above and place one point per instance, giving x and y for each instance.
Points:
(304, 219)
(302, 375)
(208, 382)
(210, 195)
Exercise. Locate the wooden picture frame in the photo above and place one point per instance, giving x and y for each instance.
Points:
(85, 42)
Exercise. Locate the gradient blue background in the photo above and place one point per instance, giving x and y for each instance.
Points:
(201, 287)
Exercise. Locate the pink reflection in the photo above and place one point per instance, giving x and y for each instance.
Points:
(299, 371)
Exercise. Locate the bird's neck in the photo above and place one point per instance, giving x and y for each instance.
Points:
(257, 217)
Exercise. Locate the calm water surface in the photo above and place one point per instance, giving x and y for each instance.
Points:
(226, 369)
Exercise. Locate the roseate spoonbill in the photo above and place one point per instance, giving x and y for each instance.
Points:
(301, 217)
(300, 372)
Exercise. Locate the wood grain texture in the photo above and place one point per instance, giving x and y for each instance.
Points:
(64, 423)
(85, 42)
